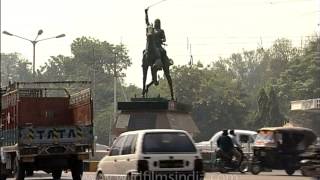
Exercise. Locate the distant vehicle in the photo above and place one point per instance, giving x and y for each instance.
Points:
(164, 152)
(91, 164)
(101, 147)
(245, 137)
(99, 152)
(310, 163)
(45, 126)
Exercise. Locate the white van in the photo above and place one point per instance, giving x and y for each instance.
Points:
(152, 152)
(245, 137)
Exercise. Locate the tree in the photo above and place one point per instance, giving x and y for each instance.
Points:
(276, 118)
(14, 68)
(301, 79)
(262, 115)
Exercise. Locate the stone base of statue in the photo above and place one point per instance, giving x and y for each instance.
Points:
(154, 113)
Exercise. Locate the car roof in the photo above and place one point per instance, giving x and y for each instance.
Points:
(241, 131)
(151, 131)
(237, 131)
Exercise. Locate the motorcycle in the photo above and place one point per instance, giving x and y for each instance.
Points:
(227, 162)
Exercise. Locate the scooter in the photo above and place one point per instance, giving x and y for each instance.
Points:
(226, 163)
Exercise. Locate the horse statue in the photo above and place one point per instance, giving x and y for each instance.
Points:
(157, 59)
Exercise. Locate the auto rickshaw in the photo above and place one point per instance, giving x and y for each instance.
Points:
(279, 148)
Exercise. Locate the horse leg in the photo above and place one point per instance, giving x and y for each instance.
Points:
(154, 76)
(168, 77)
(145, 71)
(147, 88)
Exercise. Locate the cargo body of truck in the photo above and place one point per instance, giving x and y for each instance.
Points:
(45, 128)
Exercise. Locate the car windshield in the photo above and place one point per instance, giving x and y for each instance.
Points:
(167, 142)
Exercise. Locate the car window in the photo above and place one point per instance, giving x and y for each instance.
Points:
(129, 145)
(252, 138)
(244, 138)
(167, 142)
(115, 150)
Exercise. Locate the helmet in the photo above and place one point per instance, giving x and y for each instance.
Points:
(232, 132)
(225, 132)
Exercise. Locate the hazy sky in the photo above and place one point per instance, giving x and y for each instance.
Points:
(214, 27)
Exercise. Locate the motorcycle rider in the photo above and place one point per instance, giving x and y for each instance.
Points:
(225, 145)
(236, 151)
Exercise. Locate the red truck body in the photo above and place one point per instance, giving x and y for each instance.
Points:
(45, 128)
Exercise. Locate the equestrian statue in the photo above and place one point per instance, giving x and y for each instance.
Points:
(155, 56)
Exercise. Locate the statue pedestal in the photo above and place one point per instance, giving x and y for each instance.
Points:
(154, 113)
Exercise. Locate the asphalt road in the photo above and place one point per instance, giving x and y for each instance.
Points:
(274, 175)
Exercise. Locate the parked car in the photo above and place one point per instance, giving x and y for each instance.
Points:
(245, 137)
(152, 152)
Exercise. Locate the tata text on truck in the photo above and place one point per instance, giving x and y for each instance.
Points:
(45, 126)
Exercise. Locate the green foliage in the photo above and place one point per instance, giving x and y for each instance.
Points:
(268, 113)
(276, 118)
(14, 68)
(262, 116)
(301, 80)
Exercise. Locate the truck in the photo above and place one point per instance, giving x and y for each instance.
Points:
(45, 126)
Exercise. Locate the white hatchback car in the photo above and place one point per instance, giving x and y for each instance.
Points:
(152, 153)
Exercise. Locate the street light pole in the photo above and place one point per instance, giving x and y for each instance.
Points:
(34, 60)
(34, 42)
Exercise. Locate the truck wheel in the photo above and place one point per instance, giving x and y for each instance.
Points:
(244, 166)
(77, 170)
(289, 171)
(255, 169)
(19, 171)
(56, 174)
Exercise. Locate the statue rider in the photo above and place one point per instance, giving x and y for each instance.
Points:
(159, 40)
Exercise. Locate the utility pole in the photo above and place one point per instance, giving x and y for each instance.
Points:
(93, 68)
(115, 88)
(189, 52)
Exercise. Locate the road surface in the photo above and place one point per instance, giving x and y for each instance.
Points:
(274, 175)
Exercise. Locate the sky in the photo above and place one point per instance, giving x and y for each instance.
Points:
(212, 28)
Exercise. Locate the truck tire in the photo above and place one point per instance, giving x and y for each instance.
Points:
(56, 174)
(77, 170)
(19, 171)
(289, 171)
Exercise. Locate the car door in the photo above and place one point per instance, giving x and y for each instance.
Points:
(111, 165)
(128, 160)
